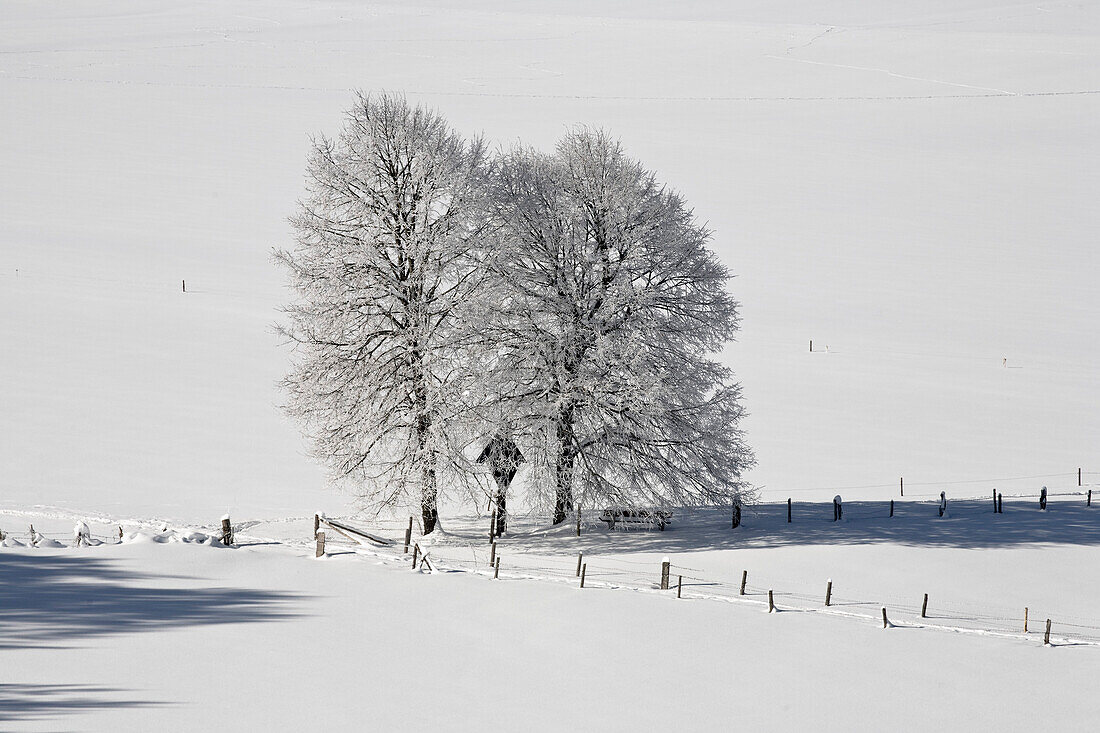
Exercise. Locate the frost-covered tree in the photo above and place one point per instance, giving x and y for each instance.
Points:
(610, 313)
(386, 245)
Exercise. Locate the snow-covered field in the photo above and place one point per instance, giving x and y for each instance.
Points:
(911, 185)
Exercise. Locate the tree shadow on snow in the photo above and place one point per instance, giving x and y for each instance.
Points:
(968, 523)
(49, 600)
(37, 702)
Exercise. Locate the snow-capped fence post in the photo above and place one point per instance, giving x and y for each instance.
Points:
(771, 602)
(320, 535)
(227, 531)
(1043, 498)
(788, 511)
(408, 536)
(580, 558)
(679, 585)
(885, 621)
(744, 580)
(828, 593)
(665, 564)
(584, 569)
(496, 569)
(1046, 636)
(924, 607)
(891, 507)
(492, 553)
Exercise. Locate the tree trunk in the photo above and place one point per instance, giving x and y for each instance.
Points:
(501, 501)
(567, 456)
(425, 455)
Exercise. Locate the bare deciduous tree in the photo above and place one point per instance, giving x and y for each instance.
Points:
(384, 255)
(610, 308)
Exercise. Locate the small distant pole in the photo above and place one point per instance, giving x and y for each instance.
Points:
(580, 566)
(1088, 502)
(891, 507)
(994, 501)
(901, 485)
(828, 593)
(665, 565)
(1000, 503)
(788, 511)
(1043, 499)
(679, 585)
(1046, 636)
(885, 622)
(744, 580)
(184, 284)
(584, 569)
(811, 346)
(771, 602)
(1078, 476)
(320, 544)
(496, 569)
(1025, 619)
(924, 607)
(408, 535)
(416, 553)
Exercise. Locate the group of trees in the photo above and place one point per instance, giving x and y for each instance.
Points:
(564, 302)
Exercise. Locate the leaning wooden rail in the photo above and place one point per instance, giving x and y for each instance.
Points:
(353, 534)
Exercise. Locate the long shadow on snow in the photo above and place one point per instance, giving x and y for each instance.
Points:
(48, 600)
(968, 524)
(36, 702)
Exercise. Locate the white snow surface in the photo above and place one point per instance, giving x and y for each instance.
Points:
(911, 186)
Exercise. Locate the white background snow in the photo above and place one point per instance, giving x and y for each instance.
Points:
(911, 184)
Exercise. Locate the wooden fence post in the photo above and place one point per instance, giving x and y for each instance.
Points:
(1043, 498)
(828, 593)
(924, 607)
(1088, 502)
(811, 346)
(580, 558)
(1046, 636)
(496, 569)
(885, 622)
(1000, 503)
(320, 535)
(788, 511)
(891, 507)
(1078, 476)
(584, 569)
(744, 579)
(665, 564)
(227, 531)
(493, 553)
(1025, 619)
(994, 501)
(679, 585)
(901, 485)
(408, 536)
(771, 602)
(416, 554)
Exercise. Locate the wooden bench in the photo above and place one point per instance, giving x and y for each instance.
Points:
(653, 517)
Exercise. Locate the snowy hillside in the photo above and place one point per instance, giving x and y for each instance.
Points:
(910, 186)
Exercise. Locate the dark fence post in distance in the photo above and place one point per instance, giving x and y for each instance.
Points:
(679, 585)
(924, 607)
(1000, 503)
(891, 507)
(994, 501)
(493, 553)
(496, 569)
(901, 485)
(828, 593)
(744, 579)
(227, 531)
(416, 553)
(771, 602)
(788, 511)
(493, 526)
(1078, 476)
(885, 622)
(1088, 502)
(1025, 619)
(1046, 636)
(580, 557)
(408, 535)
(584, 569)
(665, 564)
(1043, 498)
